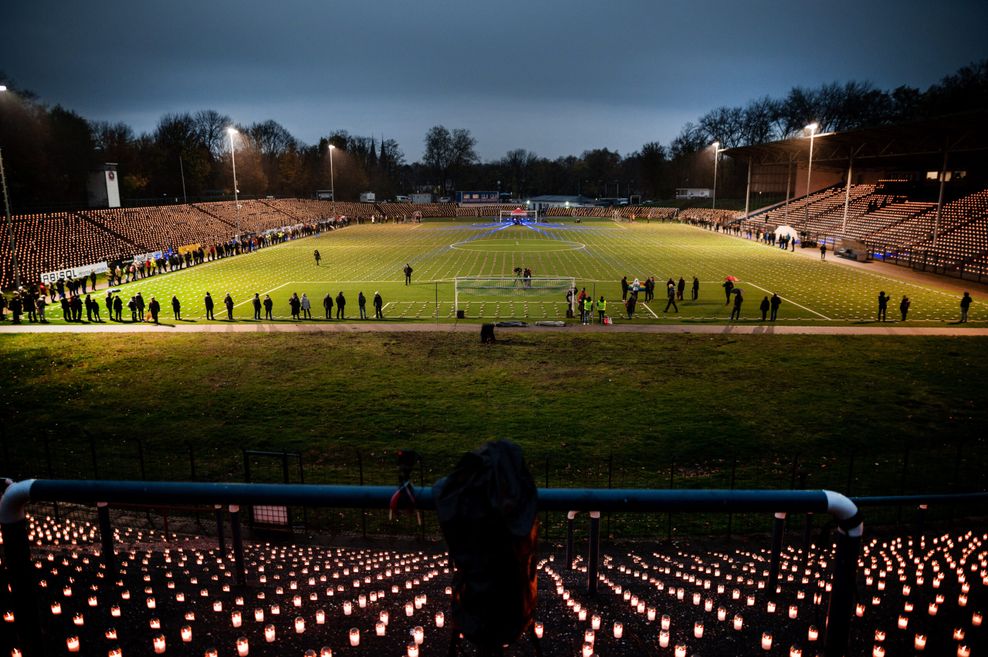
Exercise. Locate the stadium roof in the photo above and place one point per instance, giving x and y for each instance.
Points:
(919, 143)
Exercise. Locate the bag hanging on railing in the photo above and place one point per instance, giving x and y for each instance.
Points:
(487, 511)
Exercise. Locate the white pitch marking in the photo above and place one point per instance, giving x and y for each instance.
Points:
(645, 305)
(789, 300)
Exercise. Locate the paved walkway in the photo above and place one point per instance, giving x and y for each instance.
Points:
(426, 327)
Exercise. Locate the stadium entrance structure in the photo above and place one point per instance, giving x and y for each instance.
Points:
(518, 216)
(517, 297)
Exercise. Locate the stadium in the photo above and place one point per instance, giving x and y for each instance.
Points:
(720, 397)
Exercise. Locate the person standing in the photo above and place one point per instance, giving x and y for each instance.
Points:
(176, 308)
(775, 302)
(76, 308)
(209, 306)
(15, 308)
(340, 306)
(632, 302)
(317, 256)
(681, 289)
(92, 279)
(154, 308)
(671, 296)
(823, 250)
(228, 302)
(42, 304)
(738, 300)
(728, 288)
(624, 288)
(268, 305)
(295, 305)
(362, 304)
(696, 288)
(408, 274)
(764, 307)
(118, 308)
(649, 288)
(327, 304)
(883, 304)
(109, 303)
(256, 304)
(602, 308)
(904, 307)
(132, 307)
(965, 306)
(378, 306)
(3, 307)
(306, 306)
(139, 300)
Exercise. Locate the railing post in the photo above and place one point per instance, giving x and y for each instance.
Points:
(238, 545)
(21, 578)
(778, 528)
(570, 518)
(106, 536)
(593, 553)
(220, 540)
(849, 530)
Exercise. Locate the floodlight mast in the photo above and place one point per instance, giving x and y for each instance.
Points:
(332, 180)
(717, 151)
(809, 172)
(233, 159)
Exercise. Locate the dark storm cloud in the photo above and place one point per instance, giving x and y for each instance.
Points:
(554, 77)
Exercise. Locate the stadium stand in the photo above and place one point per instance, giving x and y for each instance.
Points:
(916, 594)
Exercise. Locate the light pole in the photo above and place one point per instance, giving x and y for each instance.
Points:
(809, 172)
(332, 180)
(10, 226)
(233, 158)
(717, 151)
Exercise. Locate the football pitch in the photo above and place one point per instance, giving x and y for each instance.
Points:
(371, 259)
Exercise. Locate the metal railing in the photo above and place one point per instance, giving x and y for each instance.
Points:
(17, 496)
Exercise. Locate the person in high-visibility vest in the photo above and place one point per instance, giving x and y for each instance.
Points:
(588, 318)
(601, 308)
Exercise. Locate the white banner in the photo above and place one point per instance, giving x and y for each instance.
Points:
(144, 257)
(73, 272)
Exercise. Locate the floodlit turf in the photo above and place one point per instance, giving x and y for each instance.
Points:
(370, 258)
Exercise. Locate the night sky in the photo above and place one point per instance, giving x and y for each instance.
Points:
(555, 77)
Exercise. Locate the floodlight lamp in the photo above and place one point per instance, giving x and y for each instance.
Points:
(231, 131)
(812, 127)
(716, 145)
(332, 147)
(3, 87)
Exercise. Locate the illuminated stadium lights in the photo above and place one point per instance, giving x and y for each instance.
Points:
(717, 151)
(233, 159)
(332, 180)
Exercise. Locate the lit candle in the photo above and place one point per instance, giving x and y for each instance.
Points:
(920, 642)
(236, 619)
(766, 640)
(347, 608)
(418, 634)
(269, 633)
(878, 651)
(380, 628)
(795, 652)
(738, 622)
(243, 647)
(933, 608)
(325, 652)
(650, 615)
(259, 615)
(299, 625)
(217, 605)
(412, 650)
(384, 618)
(159, 644)
(976, 619)
(440, 619)
(793, 611)
(111, 634)
(56, 608)
(963, 651)
(618, 630)
(72, 643)
(698, 630)
(113, 652)
(958, 634)
(320, 616)
(589, 636)
(186, 633)
(409, 609)
(680, 651)
(155, 624)
(587, 650)
(354, 637)
(812, 634)
(770, 607)
(663, 639)
(665, 621)
(539, 629)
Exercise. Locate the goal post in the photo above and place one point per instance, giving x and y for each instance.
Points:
(497, 290)
(517, 216)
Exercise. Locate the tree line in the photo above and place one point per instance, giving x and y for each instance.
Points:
(188, 154)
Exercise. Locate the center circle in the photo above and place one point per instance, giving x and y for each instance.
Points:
(509, 245)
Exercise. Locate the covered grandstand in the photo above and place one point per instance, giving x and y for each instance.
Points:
(914, 193)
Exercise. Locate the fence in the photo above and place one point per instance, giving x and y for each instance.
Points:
(958, 467)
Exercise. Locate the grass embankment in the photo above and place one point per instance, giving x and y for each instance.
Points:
(592, 410)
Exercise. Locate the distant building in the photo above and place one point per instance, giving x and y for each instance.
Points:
(693, 192)
(103, 187)
(542, 203)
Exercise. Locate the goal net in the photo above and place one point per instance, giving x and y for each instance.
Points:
(517, 216)
(514, 296)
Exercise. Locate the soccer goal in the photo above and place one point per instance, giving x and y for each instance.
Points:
(539, 297)
(517, 216)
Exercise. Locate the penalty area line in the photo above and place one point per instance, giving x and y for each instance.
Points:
(798, 305)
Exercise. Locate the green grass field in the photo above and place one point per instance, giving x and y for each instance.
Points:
(370, 258)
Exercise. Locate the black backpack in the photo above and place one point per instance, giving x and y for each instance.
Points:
(487, 511)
